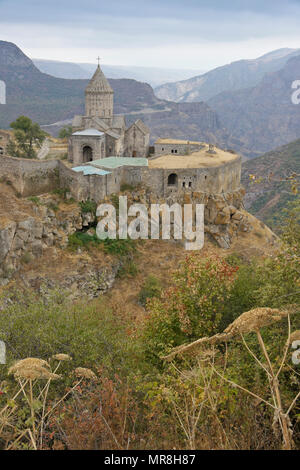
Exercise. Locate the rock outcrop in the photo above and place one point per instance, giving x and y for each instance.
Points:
(25, 236)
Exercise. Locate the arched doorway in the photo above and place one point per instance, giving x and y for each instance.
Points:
(1, 151)
(87, 154)
(172, 179)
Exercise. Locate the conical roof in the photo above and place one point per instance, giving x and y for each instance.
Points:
(99, 82)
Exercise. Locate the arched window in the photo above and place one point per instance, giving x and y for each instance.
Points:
(87, 154)
(1, 151)
(172, 179)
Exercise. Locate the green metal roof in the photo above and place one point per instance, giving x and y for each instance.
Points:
(116, 162)
(89, 170)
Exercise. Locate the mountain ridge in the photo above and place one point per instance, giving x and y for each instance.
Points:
(237, 75)
(47, 100)
(155, 76)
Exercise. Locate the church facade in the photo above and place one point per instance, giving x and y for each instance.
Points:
(100, 133)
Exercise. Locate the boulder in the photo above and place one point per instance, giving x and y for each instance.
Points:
(237, 215)
(223, 218)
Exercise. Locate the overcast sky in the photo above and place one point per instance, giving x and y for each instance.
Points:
(197, 34)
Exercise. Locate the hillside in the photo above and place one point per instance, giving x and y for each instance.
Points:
(250, 121)
(264, 116)
(49, 100)
(267, 199)
(237, 75)
(47, 260)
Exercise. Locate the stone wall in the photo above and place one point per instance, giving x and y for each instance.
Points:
(4, 139)
(211, 180)
(176, 148)
(76, 183)
(136, 142)
(29, 177)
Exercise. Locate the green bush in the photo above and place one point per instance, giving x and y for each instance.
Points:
(36, 326)
(150, 289)
(53, 206)
(119, 247)
(62, 192)
(128, 269)
(127, 187)
(26, 258)
(35, 199)
(82, 240)
(88, 206)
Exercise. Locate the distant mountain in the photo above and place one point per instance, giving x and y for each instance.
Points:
(49, 100)
(153, 75)
(267, 199)
(235, 76)
(264, 116)
(62, 69)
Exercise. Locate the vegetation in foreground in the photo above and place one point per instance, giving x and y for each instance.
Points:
(239, 391)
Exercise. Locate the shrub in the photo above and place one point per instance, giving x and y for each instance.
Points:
(150, 289)
(127, 187)
(62, 192)
(35, 199)
(53, 206)
(88, 206)
(128, 269)
(192, 308)
(119, 247)
(26, 258)
(102, 415)
(82, 240)
(40, 326)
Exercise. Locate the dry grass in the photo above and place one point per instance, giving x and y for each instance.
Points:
(33, 398)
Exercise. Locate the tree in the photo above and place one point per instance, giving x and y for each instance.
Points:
(65, 132)
(28, 136)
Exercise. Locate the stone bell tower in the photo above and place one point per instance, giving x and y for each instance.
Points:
(99, 98)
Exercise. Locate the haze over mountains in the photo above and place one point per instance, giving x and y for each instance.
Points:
(251, 121)
(263, 116)
(232, 77)
(48, 100)
(152, 75)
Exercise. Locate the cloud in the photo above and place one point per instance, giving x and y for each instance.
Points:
(150, 32)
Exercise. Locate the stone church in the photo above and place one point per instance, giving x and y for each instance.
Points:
(101, 133)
